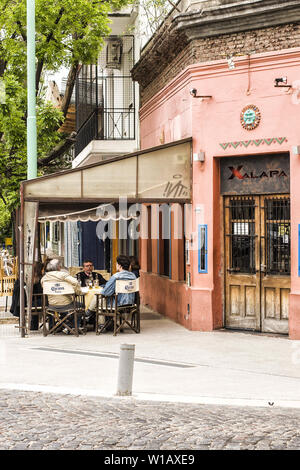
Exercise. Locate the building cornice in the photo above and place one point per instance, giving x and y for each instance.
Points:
(176, 33)
(237, 17)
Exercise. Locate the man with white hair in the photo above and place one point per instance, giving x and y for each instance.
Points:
(56, 273)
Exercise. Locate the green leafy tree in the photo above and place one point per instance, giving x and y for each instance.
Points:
(68, 33)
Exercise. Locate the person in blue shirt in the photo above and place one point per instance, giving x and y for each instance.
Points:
(123, 273)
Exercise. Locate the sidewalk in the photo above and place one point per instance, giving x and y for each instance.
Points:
(172, 364)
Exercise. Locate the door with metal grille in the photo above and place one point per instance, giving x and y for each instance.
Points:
(257, 262)
(275, 263)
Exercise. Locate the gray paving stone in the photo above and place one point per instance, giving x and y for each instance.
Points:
(46, 421)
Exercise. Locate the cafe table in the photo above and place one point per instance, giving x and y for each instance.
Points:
(89, 294)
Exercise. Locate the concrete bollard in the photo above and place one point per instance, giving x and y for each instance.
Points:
(125, 372)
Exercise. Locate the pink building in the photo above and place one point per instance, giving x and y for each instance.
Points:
(237, 96)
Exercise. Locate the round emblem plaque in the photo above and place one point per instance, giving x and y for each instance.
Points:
(250, 117)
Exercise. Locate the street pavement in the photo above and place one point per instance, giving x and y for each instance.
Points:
(40, 421)
(191, 390)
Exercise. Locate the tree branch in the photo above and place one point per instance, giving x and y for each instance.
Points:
(69, 88)
(40, 65)
(173, 5)
(59, 150)
(22, 31)
(3, 199)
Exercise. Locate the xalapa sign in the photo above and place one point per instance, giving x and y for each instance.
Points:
(259, 174)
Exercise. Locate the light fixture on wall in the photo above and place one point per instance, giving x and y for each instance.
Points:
(193, 93)
(231, 64)
(281, 82)
(199, 157)
(296, 149)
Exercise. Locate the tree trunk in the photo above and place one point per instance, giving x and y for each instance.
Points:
(69, 88)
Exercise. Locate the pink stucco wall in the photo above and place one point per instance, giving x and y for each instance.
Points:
(172, 114)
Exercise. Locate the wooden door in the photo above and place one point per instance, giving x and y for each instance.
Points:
(242, 278)
(257, 262)
(275, 263)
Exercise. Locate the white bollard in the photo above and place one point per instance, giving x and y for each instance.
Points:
(125, 373)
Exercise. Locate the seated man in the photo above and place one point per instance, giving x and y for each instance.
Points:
(123, 263)
(88, 274)
(56, 272)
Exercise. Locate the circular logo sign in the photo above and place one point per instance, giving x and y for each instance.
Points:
(250, 117)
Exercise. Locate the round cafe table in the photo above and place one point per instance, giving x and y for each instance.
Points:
(89, 294)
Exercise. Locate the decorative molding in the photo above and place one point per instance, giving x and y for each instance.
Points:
(250, 117)
(256, 142)
(219, 68)
(234, 17)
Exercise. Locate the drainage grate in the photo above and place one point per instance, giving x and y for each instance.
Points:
(116, 356)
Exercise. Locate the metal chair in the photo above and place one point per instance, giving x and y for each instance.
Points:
(58, 317)
(119, 316)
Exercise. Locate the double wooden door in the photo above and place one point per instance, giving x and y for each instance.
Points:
(257, 262)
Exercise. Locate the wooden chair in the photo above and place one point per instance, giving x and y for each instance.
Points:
(15, 266)
(73, 270)
(106, 275)
(7, 287)
(119, 316)
(58, 317)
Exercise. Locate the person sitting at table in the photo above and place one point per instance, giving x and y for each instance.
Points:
(56, 272)
(36, 289)
(134, 266)
(89, 275)
(123, 273)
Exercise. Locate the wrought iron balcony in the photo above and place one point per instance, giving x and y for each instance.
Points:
(105, 96)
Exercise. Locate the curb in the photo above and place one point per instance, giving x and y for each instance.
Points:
(144, 396)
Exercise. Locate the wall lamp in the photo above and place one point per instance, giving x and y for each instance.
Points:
(199, 157)
(296, 149)
(282, 82)
(193, 93)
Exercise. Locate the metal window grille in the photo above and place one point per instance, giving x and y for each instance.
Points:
(105, 95)
(242, 234)
(277, 233)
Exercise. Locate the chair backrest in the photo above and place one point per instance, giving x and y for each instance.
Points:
(57, 288)
(127, 286)
(73, 270)
(106, 276)
(7, 286)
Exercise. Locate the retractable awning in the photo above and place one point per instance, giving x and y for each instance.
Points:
(160, 174)
(101, 212)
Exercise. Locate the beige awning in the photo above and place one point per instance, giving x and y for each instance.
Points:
(101, 212)
(161, 174)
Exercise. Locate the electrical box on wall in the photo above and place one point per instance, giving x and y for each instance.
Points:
(114, 53)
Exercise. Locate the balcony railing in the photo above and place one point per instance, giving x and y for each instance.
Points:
(105, 95)
(106, 124)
